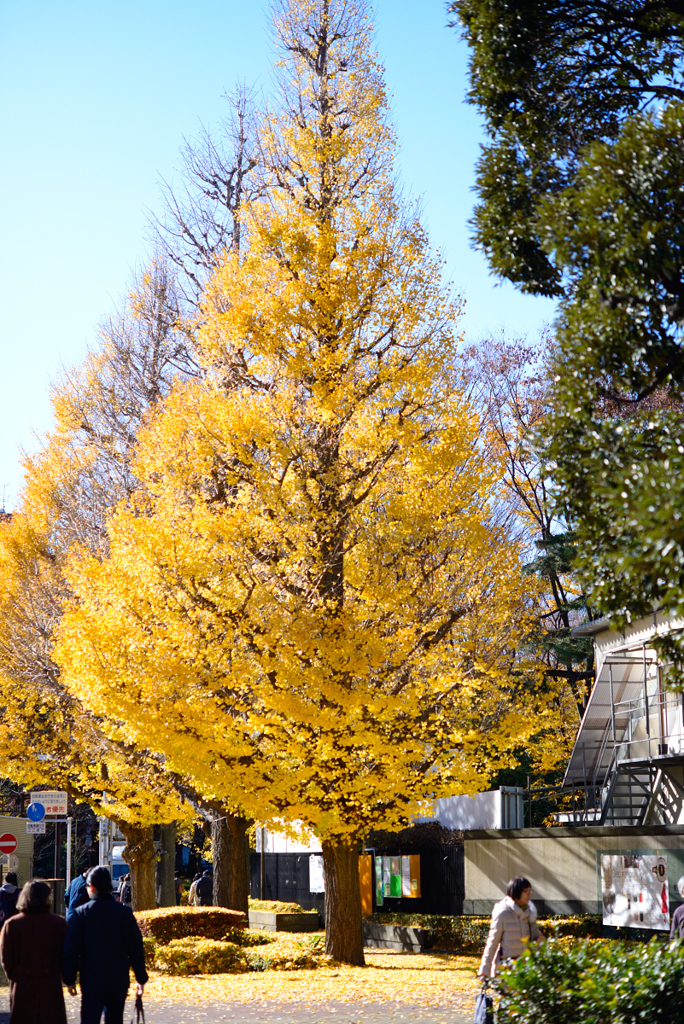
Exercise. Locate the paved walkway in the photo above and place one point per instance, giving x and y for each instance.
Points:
(282, 1013)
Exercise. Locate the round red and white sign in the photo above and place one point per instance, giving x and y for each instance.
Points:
(8, 843)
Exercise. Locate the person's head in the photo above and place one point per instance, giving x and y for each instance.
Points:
(197, 877)
(11, 877)
(520, 890)
(99, 881)
(680, 886)
(207, 873)
(35, 898)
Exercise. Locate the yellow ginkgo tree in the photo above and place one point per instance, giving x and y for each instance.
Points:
(312, 604)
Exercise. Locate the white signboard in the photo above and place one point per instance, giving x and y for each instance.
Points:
(405, 876)
(316, 879)
(634, 890)
(54, 801)
(35, 828)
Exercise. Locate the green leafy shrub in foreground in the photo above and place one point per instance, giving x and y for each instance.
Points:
(594, 983)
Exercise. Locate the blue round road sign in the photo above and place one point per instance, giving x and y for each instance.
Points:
(36, 812)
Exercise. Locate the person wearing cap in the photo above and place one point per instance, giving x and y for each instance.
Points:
(677, 928)
(102, 944)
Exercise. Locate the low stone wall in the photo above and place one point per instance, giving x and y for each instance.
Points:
(394, 936)
(283, 922)
(560, 862)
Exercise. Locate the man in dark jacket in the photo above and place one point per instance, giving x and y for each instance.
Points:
(76, 895)
(204, 890)
(9, 894)
(102, 944)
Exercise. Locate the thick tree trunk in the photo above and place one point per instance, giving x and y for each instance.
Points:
(166, 888)
(230, 854)
(343, 929)
(220, 858)
(141, 857)
(239, 877)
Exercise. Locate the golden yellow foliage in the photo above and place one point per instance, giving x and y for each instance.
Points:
(310, 605)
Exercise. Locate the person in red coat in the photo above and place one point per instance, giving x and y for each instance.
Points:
(31, 955)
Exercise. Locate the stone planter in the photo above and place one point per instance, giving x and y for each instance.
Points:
(268, 922)
(394, 936)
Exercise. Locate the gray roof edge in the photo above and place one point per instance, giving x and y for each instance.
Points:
(592, 628)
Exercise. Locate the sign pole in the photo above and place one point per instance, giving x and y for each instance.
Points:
(68, 854)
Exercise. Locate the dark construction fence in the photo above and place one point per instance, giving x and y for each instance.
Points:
(286, 877)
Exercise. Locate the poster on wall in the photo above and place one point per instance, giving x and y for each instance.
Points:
(386, 876)
(406, 876)
(634, 890)
(316, 878)
(395, 879)
(378, 882)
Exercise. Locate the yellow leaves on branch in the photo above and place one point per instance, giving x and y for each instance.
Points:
(311, 605)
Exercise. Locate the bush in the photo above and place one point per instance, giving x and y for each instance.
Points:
(250, 937)
(150, 947)
(299, 957)
(170, 923)
(595, 983)
(278, 907)
(461, 934)
(469, 934)
(200, 956)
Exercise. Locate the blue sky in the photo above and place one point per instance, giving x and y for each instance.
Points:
(95, 98)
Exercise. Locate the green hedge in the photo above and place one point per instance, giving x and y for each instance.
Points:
(594, 983)
(278, 907)
(469, 934)
(170, 923)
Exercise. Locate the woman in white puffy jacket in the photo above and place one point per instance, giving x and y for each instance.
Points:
(514, 925)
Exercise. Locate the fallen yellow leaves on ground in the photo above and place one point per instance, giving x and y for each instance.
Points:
(429, 979)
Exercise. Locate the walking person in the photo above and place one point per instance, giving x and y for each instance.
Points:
(178, 887)
(102, 944)
(9, 894)
(125, 890)
(76, 895)
(677, 929)
(204, 890)
(31, 954)
(193, 899)
(514, 925)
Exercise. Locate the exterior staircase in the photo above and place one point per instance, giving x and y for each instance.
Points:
(641, 794)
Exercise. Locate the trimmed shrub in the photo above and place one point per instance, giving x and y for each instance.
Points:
(250, 937)
(469, 934)
(200, 956)
(594, 982)
(170, 923)
(302, 956)
(462, 934)
(150, 947)
(278, 907)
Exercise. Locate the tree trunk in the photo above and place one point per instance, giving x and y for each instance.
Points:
(343, 928)
(165, 871)
(239, 876)
(220, 857)
(141, 857)
(230, 854)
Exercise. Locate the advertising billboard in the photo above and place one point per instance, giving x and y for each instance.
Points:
(634, 890)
